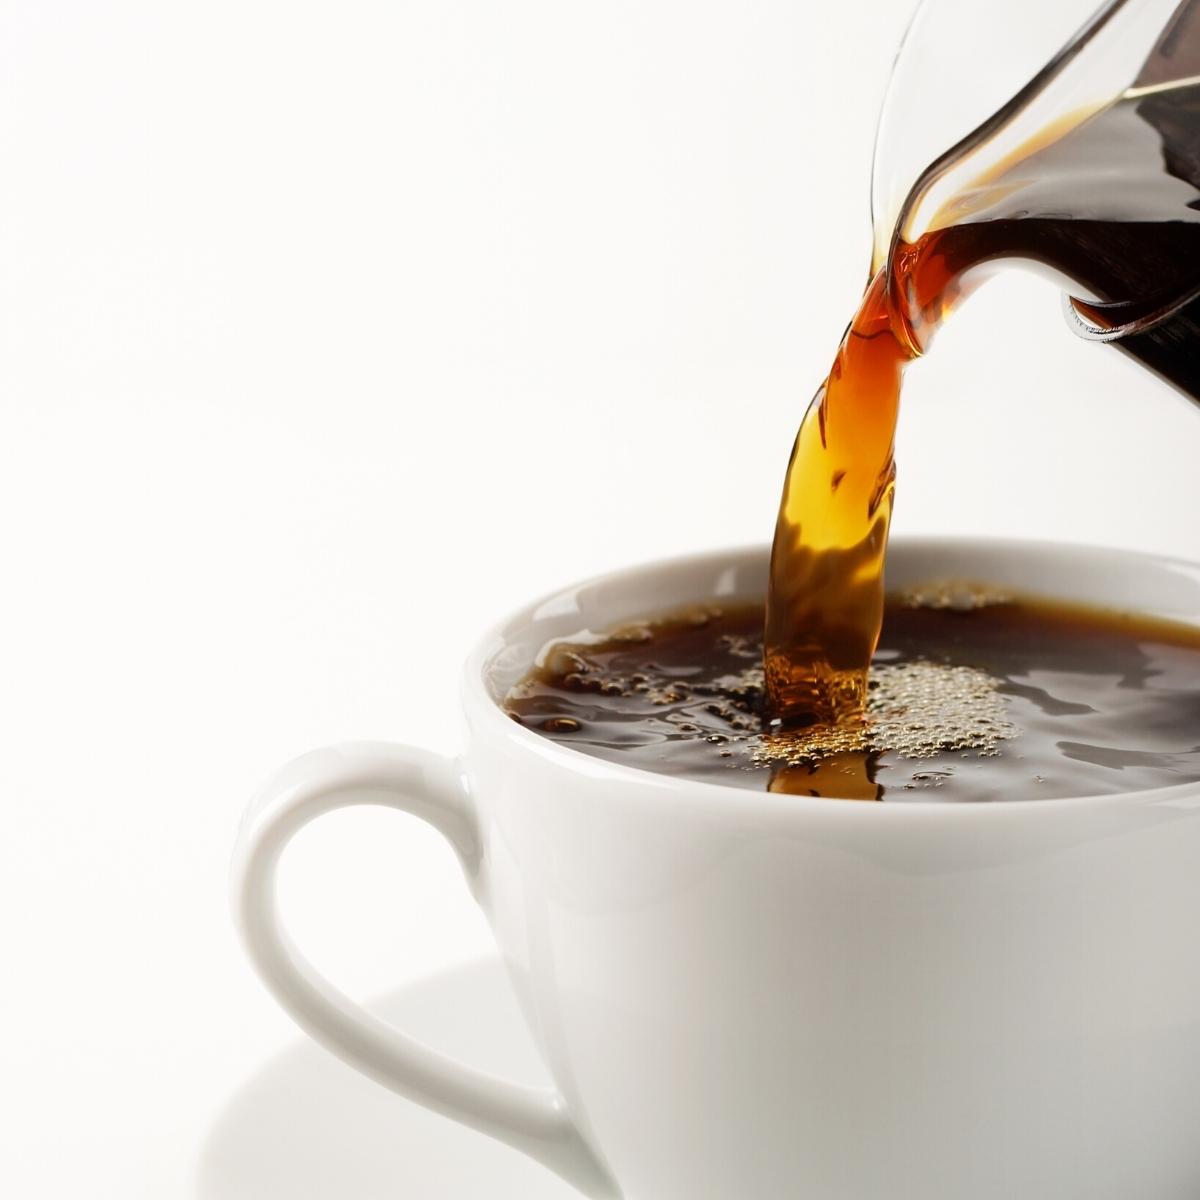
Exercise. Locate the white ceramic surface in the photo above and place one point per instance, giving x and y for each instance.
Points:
(763, 996)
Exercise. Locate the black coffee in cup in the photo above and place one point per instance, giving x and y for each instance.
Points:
(973, 696)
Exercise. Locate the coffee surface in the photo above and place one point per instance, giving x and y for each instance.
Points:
(972, 696)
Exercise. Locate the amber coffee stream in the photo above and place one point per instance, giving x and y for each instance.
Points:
(1069, 205)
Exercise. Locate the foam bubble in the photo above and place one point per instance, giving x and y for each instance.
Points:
(914, 709)
(956, 594)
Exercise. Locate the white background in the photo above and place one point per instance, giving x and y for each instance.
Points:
(328, 333)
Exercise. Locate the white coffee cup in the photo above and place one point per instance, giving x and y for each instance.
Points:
(748, 996)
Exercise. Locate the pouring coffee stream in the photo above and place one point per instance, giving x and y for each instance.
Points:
(1105, 199)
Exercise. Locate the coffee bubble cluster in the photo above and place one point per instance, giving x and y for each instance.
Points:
(914, 709)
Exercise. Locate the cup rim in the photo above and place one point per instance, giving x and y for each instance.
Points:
(477, 699)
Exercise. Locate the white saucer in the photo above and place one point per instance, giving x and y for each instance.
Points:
(306, 1127)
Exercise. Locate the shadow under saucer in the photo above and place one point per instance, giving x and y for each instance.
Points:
(307, 1127)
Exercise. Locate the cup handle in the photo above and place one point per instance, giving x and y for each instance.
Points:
(534, 1120)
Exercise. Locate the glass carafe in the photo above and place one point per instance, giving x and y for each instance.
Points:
(975, 85)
